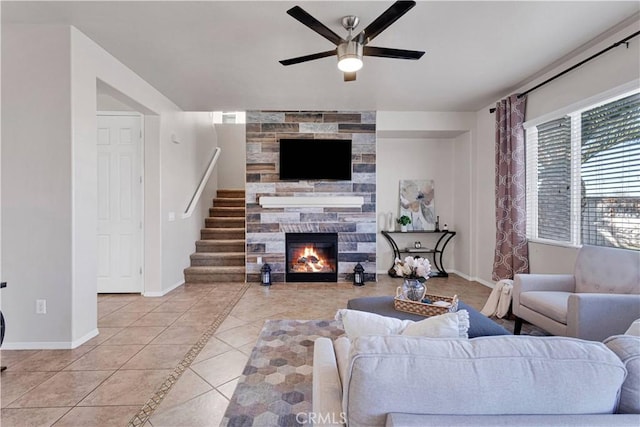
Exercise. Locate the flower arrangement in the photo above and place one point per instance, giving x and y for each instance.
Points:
(413, 268)
(404, 220)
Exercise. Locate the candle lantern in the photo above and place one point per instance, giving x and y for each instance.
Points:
(358, 275)
(265, 275)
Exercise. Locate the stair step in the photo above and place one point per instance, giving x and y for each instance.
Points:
(221, 253)
(222, 222)
(229, 245)
(217, 259)
(214, 274)
(222, 233)
(226, 211)
(229, 202)
(231, 193)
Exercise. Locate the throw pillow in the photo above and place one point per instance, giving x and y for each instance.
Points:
(634, 329)
(357, 323)
(449, 325)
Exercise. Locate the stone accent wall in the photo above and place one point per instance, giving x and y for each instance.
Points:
(266, 228)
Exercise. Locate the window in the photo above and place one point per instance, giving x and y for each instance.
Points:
(229, 117)
(583, 175)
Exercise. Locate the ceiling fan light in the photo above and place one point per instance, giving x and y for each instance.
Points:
(350, 64)
(350, 56)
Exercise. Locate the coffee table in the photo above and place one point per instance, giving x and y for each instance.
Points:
(479, 324)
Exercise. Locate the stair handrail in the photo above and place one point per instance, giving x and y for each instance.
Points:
(203, 182)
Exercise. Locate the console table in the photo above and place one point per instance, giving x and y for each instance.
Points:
(436, 252)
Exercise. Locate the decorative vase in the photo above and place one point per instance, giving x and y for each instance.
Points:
(403, 228)
(413, 289)
(390, 222)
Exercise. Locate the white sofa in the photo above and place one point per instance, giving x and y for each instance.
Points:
(487, 381)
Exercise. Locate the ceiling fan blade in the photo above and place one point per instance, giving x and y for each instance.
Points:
(298, 13)
(387, 18)
(384, 52)
(349, 76)
(306, 58)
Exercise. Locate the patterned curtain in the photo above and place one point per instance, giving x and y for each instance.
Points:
(511, 254)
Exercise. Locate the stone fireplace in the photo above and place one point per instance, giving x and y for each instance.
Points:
(311, 257)
(310, 206)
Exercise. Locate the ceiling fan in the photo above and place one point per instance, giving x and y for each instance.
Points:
(351, 50)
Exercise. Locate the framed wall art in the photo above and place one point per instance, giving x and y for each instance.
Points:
(417, 202)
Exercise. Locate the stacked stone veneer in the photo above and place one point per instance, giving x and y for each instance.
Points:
(266, 228)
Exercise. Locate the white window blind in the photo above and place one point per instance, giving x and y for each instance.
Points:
(583, 176)
(554, 178)
(610, 172)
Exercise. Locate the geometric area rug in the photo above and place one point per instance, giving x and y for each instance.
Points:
(275, 386)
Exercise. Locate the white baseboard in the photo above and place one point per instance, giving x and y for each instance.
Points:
(49, 345)
(473, 279)
(164, 291)
(85, 338)
(457, 273)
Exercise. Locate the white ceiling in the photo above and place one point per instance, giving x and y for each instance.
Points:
(217, 55)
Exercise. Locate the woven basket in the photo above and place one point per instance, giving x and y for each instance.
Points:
(400, 303)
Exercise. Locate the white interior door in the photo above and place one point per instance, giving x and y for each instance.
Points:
(119, 204)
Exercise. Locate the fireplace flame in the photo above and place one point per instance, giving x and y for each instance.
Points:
(311, 260)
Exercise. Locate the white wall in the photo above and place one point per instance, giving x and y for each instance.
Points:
(464, 207)
(484, 220)
(183, 165)
(232, 162)
(1, 276)
(50, 205)
(171, 170)
(426, 145)
(614, 68)
(36, 177)
(418, 159)
(106, 102)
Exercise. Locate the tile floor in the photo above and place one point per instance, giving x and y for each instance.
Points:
(106, 381)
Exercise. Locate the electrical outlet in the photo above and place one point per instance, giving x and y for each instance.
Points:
(259, 260)
(41, 306)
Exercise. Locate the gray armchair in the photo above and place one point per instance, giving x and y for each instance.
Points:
(601, 298)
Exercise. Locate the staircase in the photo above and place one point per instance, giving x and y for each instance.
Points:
(220, 252)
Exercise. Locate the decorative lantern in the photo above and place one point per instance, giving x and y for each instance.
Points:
(265, 274)
(358, 275)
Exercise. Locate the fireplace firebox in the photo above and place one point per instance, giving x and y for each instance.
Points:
(311, 257)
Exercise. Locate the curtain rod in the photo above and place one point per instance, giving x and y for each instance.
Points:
(624, 41)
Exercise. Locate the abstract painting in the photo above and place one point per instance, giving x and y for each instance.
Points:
(417, 202)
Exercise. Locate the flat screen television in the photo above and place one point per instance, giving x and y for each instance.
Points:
(323, 159)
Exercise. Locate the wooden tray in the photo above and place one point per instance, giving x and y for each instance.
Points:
(416, 307)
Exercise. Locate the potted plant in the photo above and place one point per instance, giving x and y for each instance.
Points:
(403, 221)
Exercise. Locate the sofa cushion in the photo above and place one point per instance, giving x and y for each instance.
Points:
(550, 304)
(627, 347)
(341, 347)
(413, 420)
(597, 266)
(327, 393)
(486, 375)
